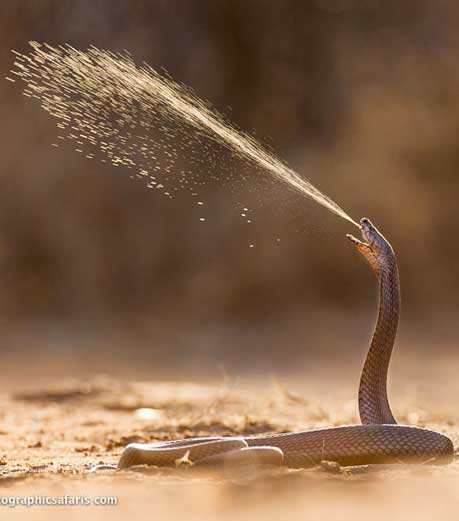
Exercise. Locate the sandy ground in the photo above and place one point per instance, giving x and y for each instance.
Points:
(51, 435)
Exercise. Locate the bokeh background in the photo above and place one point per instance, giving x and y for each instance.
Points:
(360, 96)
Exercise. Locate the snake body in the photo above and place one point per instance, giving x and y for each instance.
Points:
(378, 440)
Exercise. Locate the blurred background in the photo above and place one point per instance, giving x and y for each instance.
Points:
(360, 96)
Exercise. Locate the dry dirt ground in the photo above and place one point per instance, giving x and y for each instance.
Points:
(51, 435)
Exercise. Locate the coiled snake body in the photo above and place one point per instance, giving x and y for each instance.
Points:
(378, 440)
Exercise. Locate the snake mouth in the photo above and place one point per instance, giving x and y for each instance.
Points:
(369, 235)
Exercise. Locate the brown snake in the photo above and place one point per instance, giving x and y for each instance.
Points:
(378, 440)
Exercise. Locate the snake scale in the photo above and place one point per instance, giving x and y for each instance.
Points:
(378, 440)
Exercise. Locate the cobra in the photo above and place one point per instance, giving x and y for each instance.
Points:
(378, 440)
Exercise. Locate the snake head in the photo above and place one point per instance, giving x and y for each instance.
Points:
(376, 249)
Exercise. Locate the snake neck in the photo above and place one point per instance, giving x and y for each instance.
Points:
(374, 405)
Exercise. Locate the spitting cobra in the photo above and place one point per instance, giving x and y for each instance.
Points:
(378, 440)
